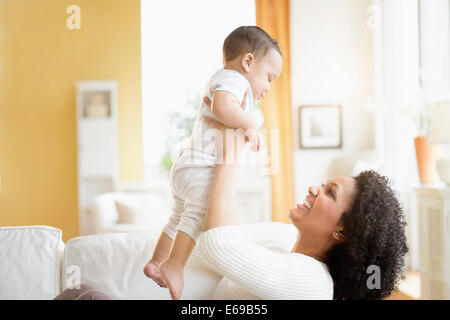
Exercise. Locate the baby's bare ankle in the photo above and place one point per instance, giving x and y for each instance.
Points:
(159, 257)
(173, 263)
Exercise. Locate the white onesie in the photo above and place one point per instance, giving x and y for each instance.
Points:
(193, 170)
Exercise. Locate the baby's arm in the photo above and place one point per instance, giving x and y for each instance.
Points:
(227, 110)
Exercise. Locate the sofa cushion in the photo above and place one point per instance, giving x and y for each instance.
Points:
(129, 213)
(114, 263)
(30, 262)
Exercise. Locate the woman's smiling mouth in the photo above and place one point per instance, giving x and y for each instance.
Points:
(306, 205)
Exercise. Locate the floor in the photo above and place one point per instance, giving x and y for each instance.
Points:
(409, 288)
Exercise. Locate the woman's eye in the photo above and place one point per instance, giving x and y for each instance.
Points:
(328, 191)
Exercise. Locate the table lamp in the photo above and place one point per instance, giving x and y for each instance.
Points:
(440, 133)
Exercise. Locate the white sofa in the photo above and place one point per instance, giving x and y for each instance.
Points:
(36, 264)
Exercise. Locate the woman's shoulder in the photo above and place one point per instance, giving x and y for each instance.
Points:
(311, 275)
(315, 267)
(278, 237)
(307, 260)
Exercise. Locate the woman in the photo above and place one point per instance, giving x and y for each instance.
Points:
(347, 228)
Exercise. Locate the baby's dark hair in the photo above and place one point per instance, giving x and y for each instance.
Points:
(248, 39)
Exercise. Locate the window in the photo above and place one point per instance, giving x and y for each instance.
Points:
(411, 70)
(434, 46)
(181, 48)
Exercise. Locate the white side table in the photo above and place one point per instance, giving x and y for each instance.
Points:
(434, 237)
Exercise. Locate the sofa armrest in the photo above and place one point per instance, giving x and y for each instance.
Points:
(30, 262)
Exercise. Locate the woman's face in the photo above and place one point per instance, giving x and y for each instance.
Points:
(319, 215)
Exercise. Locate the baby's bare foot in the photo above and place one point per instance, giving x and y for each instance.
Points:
(173, 277)
(152, 271)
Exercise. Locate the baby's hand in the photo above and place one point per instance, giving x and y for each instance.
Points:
(255, 138)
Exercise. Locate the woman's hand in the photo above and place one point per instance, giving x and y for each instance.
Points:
(255, 138)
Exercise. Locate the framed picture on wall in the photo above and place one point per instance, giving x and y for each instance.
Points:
(320, 126)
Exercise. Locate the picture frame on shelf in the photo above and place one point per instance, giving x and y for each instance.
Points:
(96, 103)
(320, 126)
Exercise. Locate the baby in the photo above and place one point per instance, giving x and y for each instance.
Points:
(252, 62)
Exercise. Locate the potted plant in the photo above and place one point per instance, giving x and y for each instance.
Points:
(420, 112)
(180, 125)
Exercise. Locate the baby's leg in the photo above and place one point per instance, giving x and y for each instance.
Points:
(189, 229)
(160, 254)
(172, 269)
(164, 243)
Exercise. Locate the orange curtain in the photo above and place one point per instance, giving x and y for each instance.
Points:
(273, 17)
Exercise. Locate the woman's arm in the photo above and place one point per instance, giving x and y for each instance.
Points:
(226, 249)
(221, 201)
(260, 271)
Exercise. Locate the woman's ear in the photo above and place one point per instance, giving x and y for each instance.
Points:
(337, 235)
(247, 61)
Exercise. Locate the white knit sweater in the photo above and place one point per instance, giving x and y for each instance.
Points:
(252, 271)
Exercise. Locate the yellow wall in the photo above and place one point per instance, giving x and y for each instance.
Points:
(40, 60)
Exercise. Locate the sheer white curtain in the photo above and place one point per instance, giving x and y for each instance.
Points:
(181, 48)
(434, 47)
(411, 62)
(397, 85)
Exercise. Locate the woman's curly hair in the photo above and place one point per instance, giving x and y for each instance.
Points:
(374, 231)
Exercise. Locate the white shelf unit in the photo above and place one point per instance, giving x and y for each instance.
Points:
(97, 143)
(434, 238)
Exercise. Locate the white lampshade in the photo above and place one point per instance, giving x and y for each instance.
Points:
(440, 125)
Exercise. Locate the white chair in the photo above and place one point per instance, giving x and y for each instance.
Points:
(127, 212)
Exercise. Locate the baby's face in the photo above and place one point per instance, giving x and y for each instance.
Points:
(264, 72)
